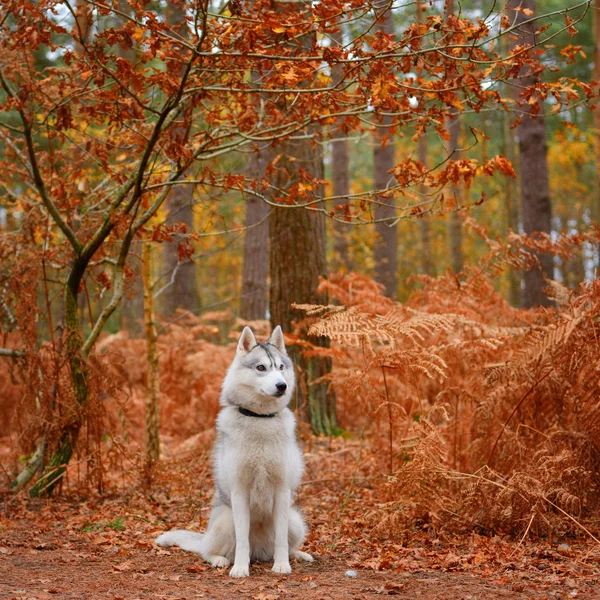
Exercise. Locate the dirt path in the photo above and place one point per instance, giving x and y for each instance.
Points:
(64, 558)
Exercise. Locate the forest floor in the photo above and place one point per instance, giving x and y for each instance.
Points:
(89, 545)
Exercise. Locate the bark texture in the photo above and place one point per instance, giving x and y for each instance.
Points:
(511, 205)
(386, 239)
(596, 13)
(455, 227)
(535, 190)
(152, 382)
(57, 464)
(297, 260)
(183, 291)
(425, 221)
(340, 176)
(256, 245)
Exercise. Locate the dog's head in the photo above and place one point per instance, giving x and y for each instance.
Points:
(261, 377)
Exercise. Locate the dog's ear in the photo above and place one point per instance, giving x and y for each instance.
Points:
(247, 341)
(277, 340)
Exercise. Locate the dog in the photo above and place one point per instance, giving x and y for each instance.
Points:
(257, 466)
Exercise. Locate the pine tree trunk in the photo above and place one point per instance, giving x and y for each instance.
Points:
(183, 292)
(297, 260)
(511, 206)
(535, 190)
(596, 199)
(425, 221)
(340, 175)
(386, 238)
(256, 244)
(152, 383)
(455, 228)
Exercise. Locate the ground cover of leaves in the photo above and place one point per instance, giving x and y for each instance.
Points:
(89, 545)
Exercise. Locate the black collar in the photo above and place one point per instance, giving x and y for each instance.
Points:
(249, 413)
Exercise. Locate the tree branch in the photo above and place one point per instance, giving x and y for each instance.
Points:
(37, 177)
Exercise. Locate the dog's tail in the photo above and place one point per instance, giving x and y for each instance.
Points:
(186, 540)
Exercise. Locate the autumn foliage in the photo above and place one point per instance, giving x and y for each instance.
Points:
(457, 409)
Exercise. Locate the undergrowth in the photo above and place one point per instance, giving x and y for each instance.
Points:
(471, 414)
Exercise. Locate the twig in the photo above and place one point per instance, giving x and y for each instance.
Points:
(524, 535)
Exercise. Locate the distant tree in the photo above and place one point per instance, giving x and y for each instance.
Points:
(253, 303)
(596, 17)
(536, 208)
(425, 222)
(179, 271)
(386, 232)
(340, 171)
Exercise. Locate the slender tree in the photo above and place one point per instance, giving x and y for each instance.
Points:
(455, 226)
(255, 268)
(179, 270)
(386, 232)
(340, 172)
(596, 17)
(425, 222)
(152, 378)
(533, 163)
(511, 203)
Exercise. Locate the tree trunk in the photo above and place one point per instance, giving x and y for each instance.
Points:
(152, 382)
(535, 190)
(386, 238)
(57, 465)
(511, 206)
(596, 199)
(455, 228)
(297, 260)
(425, 221)
(340, 175)
(183, 289)
(256, 244)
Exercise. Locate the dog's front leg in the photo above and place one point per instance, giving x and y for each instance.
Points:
(240, 506)
(281, 518)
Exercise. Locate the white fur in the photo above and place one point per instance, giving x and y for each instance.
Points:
(258, 466)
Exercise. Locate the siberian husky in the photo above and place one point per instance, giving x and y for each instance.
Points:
(257, 466)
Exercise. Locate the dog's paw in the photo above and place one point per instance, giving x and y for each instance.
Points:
(219, 561)
(239, 571)
(282, 567)
(298, 555)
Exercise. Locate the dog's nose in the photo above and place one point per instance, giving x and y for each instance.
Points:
(281, 387)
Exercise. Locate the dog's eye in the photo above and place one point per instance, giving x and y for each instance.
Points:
(281, 367)
(260, 368)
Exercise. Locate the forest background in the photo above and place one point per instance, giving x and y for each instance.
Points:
(411, 189)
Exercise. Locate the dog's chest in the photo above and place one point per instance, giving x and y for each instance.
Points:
(260, 454)
(263, 456)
